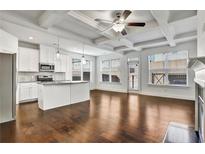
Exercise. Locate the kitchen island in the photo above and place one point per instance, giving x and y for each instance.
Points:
(61, 93)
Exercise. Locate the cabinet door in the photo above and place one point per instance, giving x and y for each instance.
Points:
(57, 65)
(28, 91)
(63, 63)
(23, 60)
(52, 54)
(34, 60)
(28, 60)
(34, 91)
(68, 74)
(44, 50)
(24, 92)
(47, 54)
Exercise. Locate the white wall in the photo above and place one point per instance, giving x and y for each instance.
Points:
(201, 33)
(168, 91)
(119, 87)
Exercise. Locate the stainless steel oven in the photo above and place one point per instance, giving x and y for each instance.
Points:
(46, 67)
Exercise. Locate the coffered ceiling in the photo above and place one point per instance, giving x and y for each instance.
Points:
(75, 28)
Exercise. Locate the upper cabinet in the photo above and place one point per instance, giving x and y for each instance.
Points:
(28, 60)
(200, 33)
(60, 63)
(8, 43)
(47, 54)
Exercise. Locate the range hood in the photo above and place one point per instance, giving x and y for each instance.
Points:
(197, 63)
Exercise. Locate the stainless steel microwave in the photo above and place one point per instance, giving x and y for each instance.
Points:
(46, 67)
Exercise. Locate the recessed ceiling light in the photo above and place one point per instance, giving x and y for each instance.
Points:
(30, 38)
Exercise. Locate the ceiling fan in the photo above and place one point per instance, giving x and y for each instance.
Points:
(119, 23)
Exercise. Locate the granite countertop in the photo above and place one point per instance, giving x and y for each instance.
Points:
(61, 82)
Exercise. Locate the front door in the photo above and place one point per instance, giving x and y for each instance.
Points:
(133, 74)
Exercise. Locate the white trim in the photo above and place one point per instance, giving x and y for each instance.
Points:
(116, 90)
(167, 95)
(27, 101)
(169, 85)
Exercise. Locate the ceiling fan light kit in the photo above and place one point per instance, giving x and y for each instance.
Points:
(118, 27)
(119, 24)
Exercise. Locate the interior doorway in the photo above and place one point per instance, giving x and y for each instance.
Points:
(133, 74)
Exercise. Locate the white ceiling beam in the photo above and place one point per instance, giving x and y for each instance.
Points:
(162, 17)
(50, 18)
(91, 22)
(159, 42)
(101, 40)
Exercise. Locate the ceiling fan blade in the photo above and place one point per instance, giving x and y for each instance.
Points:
(103, 20)
(123, 32)
(125, 14)
(141, 24)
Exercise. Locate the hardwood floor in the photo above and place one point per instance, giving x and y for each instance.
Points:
(107, 117)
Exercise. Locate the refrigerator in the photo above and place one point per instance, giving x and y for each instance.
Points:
(7, 87)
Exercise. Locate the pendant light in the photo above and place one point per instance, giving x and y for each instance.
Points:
(83, 57)
(58, 51)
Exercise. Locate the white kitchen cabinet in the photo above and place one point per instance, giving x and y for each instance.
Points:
(47, 54)
(68, 74)
(8, 42)
(28, 91)
(63, 63)
(60, 63)
(28, 60)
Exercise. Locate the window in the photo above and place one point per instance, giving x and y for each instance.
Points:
(110, 70)
(115, 70)
(76, 69)
(87, 71)
(105, 70)
(168, 68)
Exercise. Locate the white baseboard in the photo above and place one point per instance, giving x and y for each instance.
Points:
(118, 90)
(152, 94)
(29, 100)
(167, 96)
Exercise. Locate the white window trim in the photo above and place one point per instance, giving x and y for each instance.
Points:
(91, 78)
(169, 85)
(81, 68)
(109, 71)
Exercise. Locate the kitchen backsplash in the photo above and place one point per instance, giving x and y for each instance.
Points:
(26, 76)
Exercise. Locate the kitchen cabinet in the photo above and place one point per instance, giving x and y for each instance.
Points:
(60, 63)
(8, 43)
(28, 60)
(47, 54)
(68, 74)
(28, 91)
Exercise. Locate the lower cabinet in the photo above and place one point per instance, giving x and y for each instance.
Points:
(28, 92)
